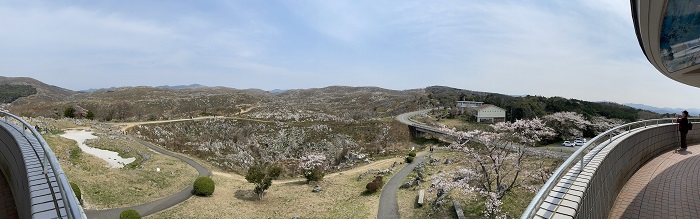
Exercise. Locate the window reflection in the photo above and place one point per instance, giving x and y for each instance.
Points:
(680, 34)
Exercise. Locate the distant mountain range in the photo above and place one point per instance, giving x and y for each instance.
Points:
(331, 103)
(276, 91)
(691, 111)
(181, 86)
(164, 87)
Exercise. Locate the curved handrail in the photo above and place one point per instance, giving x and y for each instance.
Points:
(71, 203)
(603, 138)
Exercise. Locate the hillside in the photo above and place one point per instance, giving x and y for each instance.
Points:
(148, 103)
(334, 103)
(665, 110)
(151, 103)
(536, 106)
(338, 103)
(43, 93)
(11, 92)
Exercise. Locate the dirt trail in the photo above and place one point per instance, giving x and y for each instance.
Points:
(246, 110)
(126, 125)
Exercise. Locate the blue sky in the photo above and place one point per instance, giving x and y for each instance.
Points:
(574, 49)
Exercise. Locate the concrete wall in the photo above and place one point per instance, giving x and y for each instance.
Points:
(14, 168)
(622, 161)
(491, 112)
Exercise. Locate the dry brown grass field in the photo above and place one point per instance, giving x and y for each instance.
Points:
(342, 197)
(103, 187)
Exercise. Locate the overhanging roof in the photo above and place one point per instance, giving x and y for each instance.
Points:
(669, 34)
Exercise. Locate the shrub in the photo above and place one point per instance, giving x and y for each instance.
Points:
(204, 186)
(315, 174)
(372, 187)
(262, 174)
(130, 214)
(412, 154)
(90, 115)
(69, 112)
(375, 185)
(409, 159)
(379, 179)
(76, 190)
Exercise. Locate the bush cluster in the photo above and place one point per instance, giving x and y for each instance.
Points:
(316, 174)
(375, 185)
(130, 214)
(412, 154)
(409, 159)
(76, 190)
(204, 186)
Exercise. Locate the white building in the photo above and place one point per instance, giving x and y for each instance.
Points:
(490, 114)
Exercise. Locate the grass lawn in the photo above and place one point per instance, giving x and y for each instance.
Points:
(341, 197)
(103, 187)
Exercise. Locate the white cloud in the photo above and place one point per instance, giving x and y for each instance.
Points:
(577, 49)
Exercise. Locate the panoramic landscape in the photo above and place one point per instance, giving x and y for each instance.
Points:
(327, 144)
(342, 109)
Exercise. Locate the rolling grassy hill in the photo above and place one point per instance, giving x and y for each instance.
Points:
(334, 103)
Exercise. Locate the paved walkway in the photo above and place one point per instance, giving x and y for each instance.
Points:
(7, 202)
(160, 204)
(668, 186)
(388, 205)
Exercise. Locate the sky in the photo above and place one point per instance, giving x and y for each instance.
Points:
(582, 49)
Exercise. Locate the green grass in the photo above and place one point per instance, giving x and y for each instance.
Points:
(104, 187)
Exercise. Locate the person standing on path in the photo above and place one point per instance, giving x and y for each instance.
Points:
(683, 128)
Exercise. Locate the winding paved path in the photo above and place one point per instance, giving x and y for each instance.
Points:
(388, 205)
(160, 204)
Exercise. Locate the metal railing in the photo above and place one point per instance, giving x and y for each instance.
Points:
(577, 158)
(70, 201)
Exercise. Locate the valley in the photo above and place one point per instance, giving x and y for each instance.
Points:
(350, 134)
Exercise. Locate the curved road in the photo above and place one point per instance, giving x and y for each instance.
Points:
(406, 117)
(160, 204)
(388, 205)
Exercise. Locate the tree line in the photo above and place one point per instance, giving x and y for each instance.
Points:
(529, 107)
(12, 92)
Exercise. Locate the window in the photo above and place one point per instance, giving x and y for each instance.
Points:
(680, 38)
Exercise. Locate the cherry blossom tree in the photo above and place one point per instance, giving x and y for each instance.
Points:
(601, 124)
(567, 124)
(314, 166)
(498, 164)
(312, 160)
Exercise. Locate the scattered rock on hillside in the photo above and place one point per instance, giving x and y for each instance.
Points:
(407, 185)
(317, 188)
